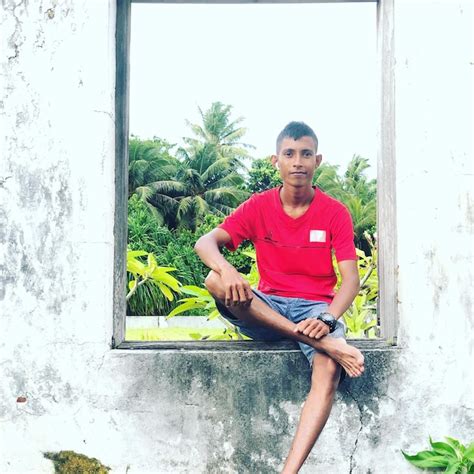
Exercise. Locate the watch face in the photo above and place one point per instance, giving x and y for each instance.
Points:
(328, 319)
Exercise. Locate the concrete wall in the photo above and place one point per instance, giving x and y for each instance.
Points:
(230, 412)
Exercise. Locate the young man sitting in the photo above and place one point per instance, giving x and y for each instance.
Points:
(295, 228)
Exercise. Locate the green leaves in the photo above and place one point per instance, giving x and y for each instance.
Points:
(200, 299)
(204, 177)
(451, 456)
(426, 459)
(150, 273)
(443, 448)
(469, 453)
(361, 317)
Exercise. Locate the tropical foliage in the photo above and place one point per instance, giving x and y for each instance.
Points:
(451, 457)
(203, 177)
(150, 161)
(172, 248)
(221, 133)
(148, 276)
(178, 192)
(361, 317)
(200, 299)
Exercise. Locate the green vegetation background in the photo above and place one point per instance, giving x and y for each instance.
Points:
(178, 193)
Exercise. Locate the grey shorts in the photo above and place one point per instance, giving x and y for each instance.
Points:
(294, 309)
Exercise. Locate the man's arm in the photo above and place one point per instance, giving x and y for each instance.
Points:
(237, 289)
(348, 290)
(350, 286)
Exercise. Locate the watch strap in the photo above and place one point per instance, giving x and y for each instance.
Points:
(330, 320)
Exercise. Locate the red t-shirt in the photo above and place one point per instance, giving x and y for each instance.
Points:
(294, 256)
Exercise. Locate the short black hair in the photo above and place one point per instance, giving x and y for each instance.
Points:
(296, 130)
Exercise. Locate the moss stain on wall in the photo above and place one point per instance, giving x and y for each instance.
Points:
(69, 462)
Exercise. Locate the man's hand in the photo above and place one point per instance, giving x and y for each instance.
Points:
(313, 328)
(237, 289)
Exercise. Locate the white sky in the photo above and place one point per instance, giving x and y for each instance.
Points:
(272, 62)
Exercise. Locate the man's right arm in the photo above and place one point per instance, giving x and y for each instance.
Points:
(237, 289)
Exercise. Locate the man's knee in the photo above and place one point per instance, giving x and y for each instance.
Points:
(214, 285)
(326, 373)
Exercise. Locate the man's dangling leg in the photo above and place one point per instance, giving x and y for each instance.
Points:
(317, 407)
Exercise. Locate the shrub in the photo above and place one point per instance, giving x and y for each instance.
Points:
(452, 457)
(173, 248)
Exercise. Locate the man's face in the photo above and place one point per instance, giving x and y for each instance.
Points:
(297, 160)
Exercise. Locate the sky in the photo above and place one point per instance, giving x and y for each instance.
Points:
(272, 62)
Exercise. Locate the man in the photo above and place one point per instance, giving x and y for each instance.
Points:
(294, 229)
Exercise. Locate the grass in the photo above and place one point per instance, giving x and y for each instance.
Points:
(179, 334)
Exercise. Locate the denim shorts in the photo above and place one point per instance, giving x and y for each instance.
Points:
(294, 309)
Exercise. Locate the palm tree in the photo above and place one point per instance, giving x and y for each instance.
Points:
(149, 161)
(204, 183)
(356, 182)
(355, 191)
(327, 179)
(222, 133)
(204, 177)
(363, 217)
(360, 198)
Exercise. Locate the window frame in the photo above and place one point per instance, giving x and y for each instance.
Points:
(386, 200)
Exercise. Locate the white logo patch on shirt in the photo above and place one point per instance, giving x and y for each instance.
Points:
(317, 236)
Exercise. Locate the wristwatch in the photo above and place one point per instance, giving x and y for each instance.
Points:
(329, 319)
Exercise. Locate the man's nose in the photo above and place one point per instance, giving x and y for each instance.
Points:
(298, 161)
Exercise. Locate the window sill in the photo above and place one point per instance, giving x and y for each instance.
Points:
(244, 346)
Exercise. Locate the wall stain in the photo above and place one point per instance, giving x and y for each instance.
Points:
(437, 277)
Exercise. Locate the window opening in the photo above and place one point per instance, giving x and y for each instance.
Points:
(318, 79)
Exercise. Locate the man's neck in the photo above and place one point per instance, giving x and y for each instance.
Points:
(295, 198)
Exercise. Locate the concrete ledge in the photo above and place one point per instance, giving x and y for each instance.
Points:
(243, 405)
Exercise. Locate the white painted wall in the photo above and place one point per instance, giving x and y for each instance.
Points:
(435, 183)
(172, 412)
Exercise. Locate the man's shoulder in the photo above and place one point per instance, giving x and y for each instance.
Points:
(264, 197)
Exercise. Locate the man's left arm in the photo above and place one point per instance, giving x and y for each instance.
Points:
(348, 290)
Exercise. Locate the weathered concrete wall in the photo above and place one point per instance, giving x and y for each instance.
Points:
(174, 412)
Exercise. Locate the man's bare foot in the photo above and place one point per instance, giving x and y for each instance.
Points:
(349, 357)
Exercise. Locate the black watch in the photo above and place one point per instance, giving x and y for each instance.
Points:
(329, 319)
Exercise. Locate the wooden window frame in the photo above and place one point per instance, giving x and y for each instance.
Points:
(386, 196)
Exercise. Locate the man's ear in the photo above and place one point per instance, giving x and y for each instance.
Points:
(319, 158)
(275, 161)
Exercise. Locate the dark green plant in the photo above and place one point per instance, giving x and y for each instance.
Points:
(205, 176)
(262, 176)
(149, 161)
(451, 457)
(171, 248)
